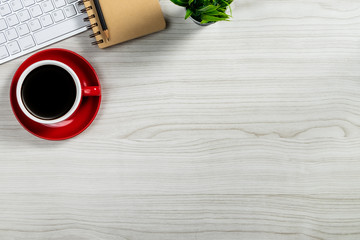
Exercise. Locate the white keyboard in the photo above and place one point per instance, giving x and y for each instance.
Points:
(28, 25)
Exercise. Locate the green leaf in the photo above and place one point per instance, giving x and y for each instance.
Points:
(212, 18)
(188, 13)
(208, 8)
(182, 3)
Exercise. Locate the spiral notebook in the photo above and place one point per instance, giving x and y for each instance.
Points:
(125, 20)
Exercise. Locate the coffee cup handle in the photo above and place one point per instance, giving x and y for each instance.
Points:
(91, 91)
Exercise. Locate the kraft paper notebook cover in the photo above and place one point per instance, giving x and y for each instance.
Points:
(125, 19)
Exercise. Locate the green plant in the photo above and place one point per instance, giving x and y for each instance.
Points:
(206, 11)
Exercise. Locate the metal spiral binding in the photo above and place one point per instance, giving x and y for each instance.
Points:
(91, 26)
(84, 10)
(89, 17)
(94, 34)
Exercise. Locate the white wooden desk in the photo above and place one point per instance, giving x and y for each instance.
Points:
(248, 129)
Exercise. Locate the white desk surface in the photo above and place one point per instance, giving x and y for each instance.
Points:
(248, 129)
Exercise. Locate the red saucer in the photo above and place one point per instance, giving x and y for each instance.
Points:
(83, 116)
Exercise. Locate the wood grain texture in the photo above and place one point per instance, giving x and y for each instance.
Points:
(182, 189)
(247, 129)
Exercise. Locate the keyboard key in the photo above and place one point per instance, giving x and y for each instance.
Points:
(3, 52)
(47, 6)
(16, 5)
(23, 29)
(70, 11)
(52, 32)
(2, 38)
(24, 15)
(5, 9)
(71, 1)
(28, 2)
(46, 20)
(26, 42)
(58, 15)
(34, 25)
(2, 24)
(35, 11)
(13, 48)
(59, 3)
(12, 20)
(11, 34)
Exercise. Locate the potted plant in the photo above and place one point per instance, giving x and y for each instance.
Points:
(205, 12)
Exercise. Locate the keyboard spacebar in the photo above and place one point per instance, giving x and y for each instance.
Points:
(60, 29)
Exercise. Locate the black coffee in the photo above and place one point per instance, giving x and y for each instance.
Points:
(48, 92)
